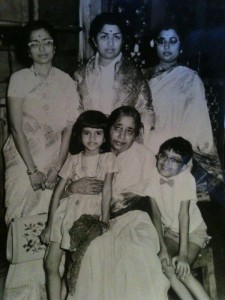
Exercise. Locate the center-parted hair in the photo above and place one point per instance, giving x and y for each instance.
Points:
(126, 111)
(103, 19)
(180, 146)
(91, 119)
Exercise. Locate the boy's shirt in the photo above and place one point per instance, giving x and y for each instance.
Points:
(168, 194)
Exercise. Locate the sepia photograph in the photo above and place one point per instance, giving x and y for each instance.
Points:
(112, 140)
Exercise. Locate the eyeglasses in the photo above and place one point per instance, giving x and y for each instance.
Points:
(172, 160)
(162, 41)
(36, 45)
(119, 129)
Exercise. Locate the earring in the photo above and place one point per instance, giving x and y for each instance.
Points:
(181, 51)
(152, 43)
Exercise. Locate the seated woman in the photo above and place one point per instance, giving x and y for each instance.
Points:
(123, 262)
(180, 107)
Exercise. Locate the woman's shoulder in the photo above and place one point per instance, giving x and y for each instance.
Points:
(148, 72)
(73, 159)
(127, 64)
(81, 70)
(186, 71)
(21, 73)
(108, 156)
(62, 75)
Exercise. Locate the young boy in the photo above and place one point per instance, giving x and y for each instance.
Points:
(178, 221)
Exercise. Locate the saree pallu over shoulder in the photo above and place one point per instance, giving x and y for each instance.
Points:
(180, 106)
(49, 106)
(129, 86)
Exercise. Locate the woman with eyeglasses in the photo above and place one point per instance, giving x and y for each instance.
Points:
(180, 106)
(178, 95)
(43, 105)
(122, 264)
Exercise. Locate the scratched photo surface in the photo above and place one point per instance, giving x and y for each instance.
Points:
(187, 96)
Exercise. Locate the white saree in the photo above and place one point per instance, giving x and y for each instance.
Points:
(122, 264)
(181, 110)
(49, 106)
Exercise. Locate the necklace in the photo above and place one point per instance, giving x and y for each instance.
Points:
(95, 164)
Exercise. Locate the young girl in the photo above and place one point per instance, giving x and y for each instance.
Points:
(88, 146)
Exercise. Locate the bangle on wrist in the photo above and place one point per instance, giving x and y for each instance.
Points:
(31, 172)
(67, 192)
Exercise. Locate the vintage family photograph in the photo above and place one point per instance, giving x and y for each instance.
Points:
(112, 139)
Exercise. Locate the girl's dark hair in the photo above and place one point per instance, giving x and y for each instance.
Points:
(180, 146)
(126, 111)
(23, 49)
(92, 119)
(105, 18)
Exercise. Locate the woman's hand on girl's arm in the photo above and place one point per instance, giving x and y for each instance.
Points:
(86, 186)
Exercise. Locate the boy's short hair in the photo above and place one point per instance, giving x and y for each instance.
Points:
(180, 146)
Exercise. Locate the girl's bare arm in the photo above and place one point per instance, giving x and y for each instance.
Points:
(45, 236)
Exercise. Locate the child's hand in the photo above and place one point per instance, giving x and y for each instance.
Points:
(181, 265)
(105, 225)
(45, 235)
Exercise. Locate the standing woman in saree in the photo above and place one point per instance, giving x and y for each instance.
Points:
(109, 80)
(178, 93)
(43, 105)
(180, 107)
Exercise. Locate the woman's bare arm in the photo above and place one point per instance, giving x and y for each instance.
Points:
(15, 106)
